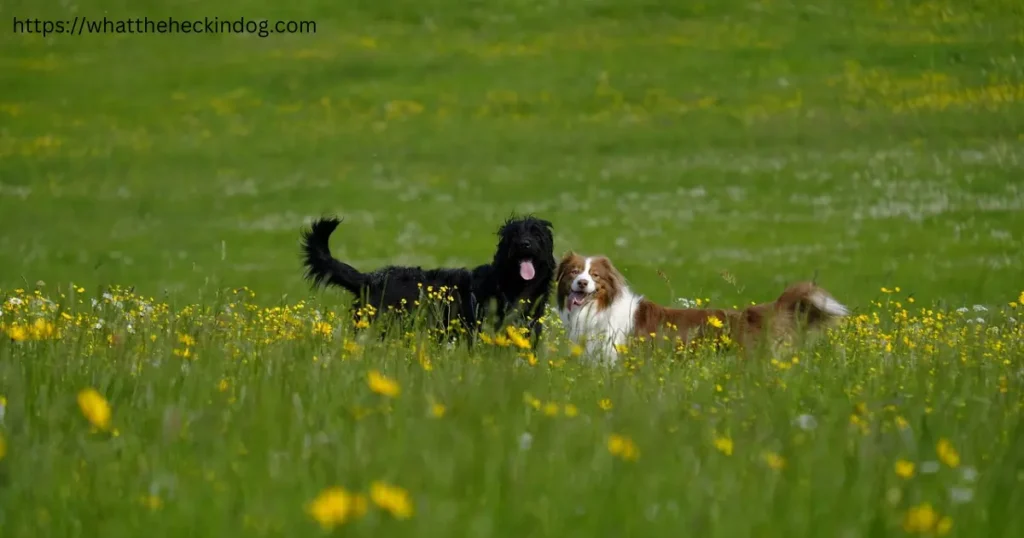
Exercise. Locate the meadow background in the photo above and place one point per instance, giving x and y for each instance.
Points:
(733, 146)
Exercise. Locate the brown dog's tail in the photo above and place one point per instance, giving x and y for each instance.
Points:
(810, 304)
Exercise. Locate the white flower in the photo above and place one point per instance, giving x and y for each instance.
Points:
(14, 301)
(525, 441)
(961, 495)
(806, 422)
(980, 308)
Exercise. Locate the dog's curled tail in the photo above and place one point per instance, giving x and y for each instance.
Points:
(321, 267)
(813, 304)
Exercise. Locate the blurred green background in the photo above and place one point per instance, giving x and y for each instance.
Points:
(873, 143)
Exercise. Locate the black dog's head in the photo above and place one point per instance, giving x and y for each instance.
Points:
(525, 247)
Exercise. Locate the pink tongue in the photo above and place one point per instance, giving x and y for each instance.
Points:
(526, 270)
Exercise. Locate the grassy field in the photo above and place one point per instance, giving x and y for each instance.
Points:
(732, 146)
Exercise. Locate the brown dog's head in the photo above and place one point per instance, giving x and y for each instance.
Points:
(584, 279)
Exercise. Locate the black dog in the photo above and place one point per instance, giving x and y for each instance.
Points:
(521, 272)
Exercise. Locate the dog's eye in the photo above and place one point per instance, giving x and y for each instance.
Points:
(574, 272)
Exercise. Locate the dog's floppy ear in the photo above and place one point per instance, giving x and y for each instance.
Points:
(566, 258)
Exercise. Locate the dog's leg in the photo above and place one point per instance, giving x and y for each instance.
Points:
(468, 317)
(500, 310)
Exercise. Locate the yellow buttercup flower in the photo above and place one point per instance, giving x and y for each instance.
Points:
(923, 519)
(904, 468)
(95, 408)
(391, 498)
(437, 410)
(605, 404)
(550, 409)
(715, 322)
(623, 447)
(381, 384)
(517, 338)
(947, 454)
(18, 333)
(333, 507)
(774, 460)
(724, 445)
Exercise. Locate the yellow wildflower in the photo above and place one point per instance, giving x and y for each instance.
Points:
(774, 460)
(623, 447)
(42, 329)
(570, 410)
(95, 408)
(605, 404)
(531, 400)
(715, 322)
(575, 350)
(332, 507)
(904, 468)
(724, 445)
(947, 454)
(351, 347)
(17, 333)
(517, 338)
(391, 498)
(923, 519)
(437, 409)
(381, 384)
(551, 409)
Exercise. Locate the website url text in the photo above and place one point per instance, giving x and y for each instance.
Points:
(144, 25)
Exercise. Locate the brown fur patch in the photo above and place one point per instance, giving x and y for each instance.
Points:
(607, 279)
(569, 266)
(778, 320)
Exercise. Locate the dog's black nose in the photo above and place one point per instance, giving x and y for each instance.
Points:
(525, 243)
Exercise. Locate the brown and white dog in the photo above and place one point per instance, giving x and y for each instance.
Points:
(596, 304)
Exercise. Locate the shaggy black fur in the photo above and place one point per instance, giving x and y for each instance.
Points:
(523, 242)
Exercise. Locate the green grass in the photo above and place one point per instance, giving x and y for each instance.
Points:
(871, 142)
(230, 418)
(868, 143)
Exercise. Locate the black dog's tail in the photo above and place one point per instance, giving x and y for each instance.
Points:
(321, 267)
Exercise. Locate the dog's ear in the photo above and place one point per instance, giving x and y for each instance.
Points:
(564, 263)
